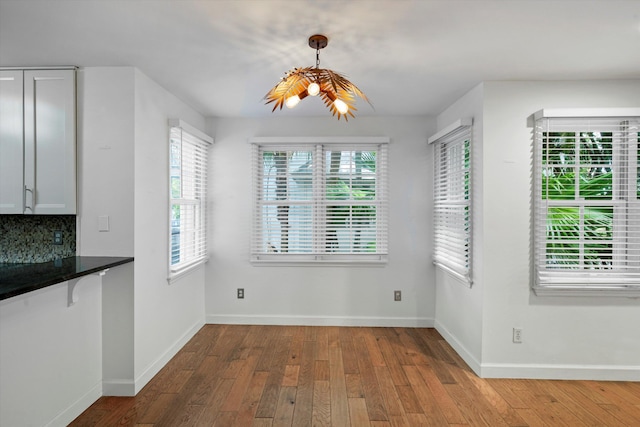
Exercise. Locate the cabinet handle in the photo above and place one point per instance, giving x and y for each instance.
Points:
(30, 190)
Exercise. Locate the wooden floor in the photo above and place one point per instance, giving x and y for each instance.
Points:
(236, 375)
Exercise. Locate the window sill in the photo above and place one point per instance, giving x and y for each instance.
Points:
(459, 278)
(587, 291)
(319, 261)
(177, 275)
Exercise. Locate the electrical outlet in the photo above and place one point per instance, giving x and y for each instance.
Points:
(240, 293)
(57, 237)
(517, 335)
(397, 295)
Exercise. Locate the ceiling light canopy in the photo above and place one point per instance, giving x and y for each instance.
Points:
(336, 91)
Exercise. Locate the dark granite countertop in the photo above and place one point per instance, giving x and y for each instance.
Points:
(18, 279)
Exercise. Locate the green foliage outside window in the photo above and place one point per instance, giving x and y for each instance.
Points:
(355, 185)
(577, 167)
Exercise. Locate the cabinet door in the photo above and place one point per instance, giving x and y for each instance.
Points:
(11, 140)
(50, 141)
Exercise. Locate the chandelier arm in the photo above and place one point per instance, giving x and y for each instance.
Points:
(295, 83)
(336, 91)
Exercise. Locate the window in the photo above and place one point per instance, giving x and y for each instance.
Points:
(452, 199)
(587, 211)
(188, 197)
(320, 200)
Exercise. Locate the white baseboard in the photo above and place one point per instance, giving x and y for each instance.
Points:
(540, 371)
(118, 387)
(561, 372)
(159, 363)
(405, 322)
(78, 407)
(462, 351)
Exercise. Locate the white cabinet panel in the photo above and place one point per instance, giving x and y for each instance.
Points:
(11, 140)
(50, 156)
(38, 134)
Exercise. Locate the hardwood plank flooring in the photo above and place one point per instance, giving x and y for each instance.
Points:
(241, 375)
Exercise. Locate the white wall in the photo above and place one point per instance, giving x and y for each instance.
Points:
(124, 174)
(105, 160)
(50, 357)
(562, 337)
(322, 295)
(458, 306)
(106, 187)
(588, 337)
(118, 342)
(166, 315)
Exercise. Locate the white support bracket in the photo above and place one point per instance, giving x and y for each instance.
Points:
(72, 294)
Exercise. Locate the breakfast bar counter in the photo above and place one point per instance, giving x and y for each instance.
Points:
(18, 279)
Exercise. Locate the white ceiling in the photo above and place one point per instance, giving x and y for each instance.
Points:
(411, 57)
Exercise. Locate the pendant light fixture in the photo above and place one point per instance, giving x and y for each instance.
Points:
(336, 91)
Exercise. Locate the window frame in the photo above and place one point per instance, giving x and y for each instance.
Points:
(623, 277)
(320, 146)
(195, 176)
(453, 231)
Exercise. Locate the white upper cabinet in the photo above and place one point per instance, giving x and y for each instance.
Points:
(40, 176)
(11, 143)
(50, 141)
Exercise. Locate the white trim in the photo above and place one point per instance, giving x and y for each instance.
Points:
(586, 112)
(463, 279)
(302, 260)
(55, 67)
(179, 123)
(391, 322)
(539, 371)
(453, 127)
(587, 291)
(459, 348)
(119, 387)
(175, 275)
(65, 417)
(164, 358)
(266, 140)
(561, 372)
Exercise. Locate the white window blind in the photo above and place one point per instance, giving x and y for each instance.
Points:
(452, 199)
(188, 196)
(320, 202)
(587, 214)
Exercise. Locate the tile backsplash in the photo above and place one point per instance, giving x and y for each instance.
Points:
(29, 238)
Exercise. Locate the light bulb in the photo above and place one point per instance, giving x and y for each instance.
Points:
(313, 89)
(292, 101)
(341, 106)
